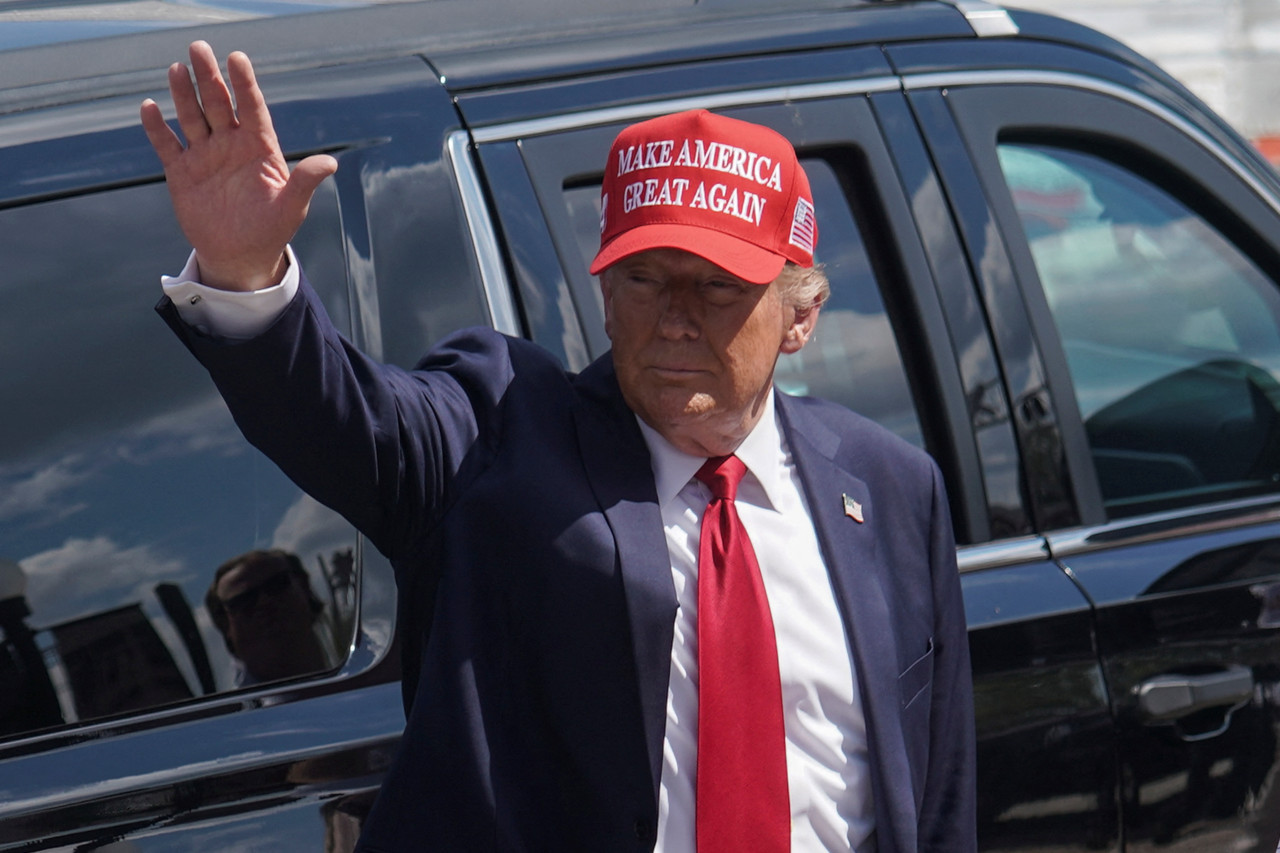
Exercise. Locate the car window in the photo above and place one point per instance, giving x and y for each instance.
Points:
(148, 555)
(853, 359)
(1171, 333)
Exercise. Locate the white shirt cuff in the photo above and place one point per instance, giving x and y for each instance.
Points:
(226, 313)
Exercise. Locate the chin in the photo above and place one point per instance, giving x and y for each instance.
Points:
(688, 409)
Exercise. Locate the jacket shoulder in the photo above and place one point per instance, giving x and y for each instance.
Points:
(849, 436)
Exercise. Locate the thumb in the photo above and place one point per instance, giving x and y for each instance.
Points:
(306, 176)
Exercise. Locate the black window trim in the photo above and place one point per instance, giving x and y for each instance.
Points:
(650, 108)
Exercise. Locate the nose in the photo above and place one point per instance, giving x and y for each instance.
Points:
(679, 318)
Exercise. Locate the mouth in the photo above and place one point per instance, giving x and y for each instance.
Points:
(675, 372)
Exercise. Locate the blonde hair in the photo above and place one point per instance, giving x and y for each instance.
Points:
(804, 287)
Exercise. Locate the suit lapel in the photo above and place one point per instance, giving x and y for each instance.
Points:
(859, 580)
(619, 470)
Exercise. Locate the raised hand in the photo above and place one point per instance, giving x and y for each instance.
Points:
(234, 196)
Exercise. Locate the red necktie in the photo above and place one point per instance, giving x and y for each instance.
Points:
(742, 801)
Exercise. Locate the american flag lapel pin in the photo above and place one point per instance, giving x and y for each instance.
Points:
(852, 508)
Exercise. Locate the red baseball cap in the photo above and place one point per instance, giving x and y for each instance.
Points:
(726, 190)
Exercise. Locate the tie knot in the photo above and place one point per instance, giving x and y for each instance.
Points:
(722, 474)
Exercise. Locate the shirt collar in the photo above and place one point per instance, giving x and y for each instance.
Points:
(761, 451)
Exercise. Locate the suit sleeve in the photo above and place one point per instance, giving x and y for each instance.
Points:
(380, 445)
(948, 818)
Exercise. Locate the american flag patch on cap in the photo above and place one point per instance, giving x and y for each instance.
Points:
(803, 226)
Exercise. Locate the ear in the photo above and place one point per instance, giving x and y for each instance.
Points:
(800, 330)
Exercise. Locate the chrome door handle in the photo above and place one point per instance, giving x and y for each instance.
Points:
(1168, 697)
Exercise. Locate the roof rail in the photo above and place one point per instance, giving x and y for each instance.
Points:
(987, 19)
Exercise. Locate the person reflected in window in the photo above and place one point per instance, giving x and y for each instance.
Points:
(263, 605)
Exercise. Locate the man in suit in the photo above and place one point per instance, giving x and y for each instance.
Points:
(656, 605)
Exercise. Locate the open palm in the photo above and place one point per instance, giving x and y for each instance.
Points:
(233, 193)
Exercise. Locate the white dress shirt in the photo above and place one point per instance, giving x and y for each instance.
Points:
(227, 313)
(827, 766)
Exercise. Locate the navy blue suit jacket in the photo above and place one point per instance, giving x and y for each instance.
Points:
(517, 503)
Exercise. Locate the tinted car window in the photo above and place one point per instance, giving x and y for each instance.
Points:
(854, 357)
(125, 485)
(1172, 334)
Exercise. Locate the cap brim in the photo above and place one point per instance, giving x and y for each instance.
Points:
(745, 260)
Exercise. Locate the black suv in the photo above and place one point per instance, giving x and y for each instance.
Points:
(1053, 268)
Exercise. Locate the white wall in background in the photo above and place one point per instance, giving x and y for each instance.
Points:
(1226, 51)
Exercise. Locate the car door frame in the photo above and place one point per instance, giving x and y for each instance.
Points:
(1214, 174)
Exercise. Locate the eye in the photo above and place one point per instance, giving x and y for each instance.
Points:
(638, 282)
(722, 291)
(642, 279)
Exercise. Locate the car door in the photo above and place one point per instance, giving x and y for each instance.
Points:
(1047, 761)
(892, 344)
(133, 701)
(1139, 243)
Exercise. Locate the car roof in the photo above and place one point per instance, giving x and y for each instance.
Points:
(28, 23)
(59, 42)
(55, 51)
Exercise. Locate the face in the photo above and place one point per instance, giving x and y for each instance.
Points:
(694, 347)
(269, 618)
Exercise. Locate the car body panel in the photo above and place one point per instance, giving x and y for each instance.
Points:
(471, 136)
(1179, 604)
